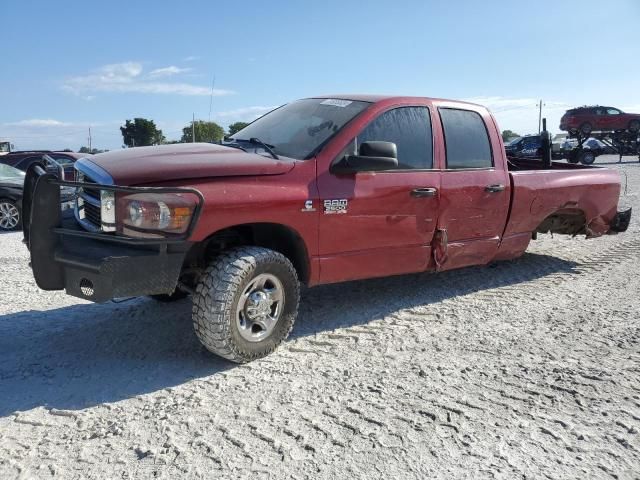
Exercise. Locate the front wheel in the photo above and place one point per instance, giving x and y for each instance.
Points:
(10, 217)
(245, 303)
(587, 157)
(634, 125)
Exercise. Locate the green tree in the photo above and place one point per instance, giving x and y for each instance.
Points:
(236, 127)
(508, 135)
(93, 151)
(141, 132)
(204, 132)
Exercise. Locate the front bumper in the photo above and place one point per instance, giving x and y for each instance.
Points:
(92, 266)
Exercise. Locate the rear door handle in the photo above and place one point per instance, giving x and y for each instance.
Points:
(494, 188)
(424, 192)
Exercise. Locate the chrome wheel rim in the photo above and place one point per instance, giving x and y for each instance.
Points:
(260, 307)
(9, 216)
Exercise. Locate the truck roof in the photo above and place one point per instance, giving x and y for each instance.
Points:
(374, 98)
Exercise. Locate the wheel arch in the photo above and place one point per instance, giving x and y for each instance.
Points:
(564, 222)
(275, 236)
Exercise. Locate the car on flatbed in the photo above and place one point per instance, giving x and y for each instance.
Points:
(321, 190)
(585, 120)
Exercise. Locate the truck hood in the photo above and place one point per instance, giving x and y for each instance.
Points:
(146, 165)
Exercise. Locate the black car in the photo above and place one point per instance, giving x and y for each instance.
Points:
(23, 159)
(11, 181)
(11, 189)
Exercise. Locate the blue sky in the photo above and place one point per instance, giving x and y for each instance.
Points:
(68, 65)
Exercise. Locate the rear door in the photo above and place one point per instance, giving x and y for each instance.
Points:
(613, 119)
(475, 188)
(382, 223)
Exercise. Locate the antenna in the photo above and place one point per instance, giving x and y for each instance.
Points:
(213, 82)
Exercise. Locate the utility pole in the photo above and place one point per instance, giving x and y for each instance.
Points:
(540, 117)
(213, 83)
(90, 150)
(193, 129)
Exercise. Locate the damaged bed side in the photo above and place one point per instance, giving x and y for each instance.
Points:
(569, 201)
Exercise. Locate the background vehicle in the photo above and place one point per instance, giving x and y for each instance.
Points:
(5, 147)
(597, 118)
(321, 190)
(528, 146)
(22, 160)
(11, 180)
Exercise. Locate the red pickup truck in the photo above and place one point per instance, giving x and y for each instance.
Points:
(321, 190)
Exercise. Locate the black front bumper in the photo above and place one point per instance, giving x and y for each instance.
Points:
(92, 266)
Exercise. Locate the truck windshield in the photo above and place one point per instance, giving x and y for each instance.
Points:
(4, 147)
(298, 129)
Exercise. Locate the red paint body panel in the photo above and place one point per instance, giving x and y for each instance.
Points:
(146, 165)
(385, 230)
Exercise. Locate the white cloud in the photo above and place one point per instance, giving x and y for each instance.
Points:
(168, 71)
(53, 134)
(521, 114)
(190, 58)
(128, 77)
(246, 113)
(37, 122)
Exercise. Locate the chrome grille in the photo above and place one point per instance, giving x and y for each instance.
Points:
(88, 208)
(88, 205)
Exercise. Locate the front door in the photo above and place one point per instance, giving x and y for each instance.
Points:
(475, 190)
(382, 223)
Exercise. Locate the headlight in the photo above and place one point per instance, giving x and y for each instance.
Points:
(155, 214)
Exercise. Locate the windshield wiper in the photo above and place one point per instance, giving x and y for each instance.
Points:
(233, 145)
(257, 141)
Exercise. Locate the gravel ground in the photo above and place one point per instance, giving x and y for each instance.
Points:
(526, 369)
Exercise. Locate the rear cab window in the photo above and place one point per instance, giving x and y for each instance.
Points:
(466, 139)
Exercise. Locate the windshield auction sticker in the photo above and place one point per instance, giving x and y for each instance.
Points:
(334, 102)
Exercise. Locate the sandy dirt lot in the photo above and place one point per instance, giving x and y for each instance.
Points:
(525, 369)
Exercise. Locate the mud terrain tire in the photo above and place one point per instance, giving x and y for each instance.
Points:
(232, 280)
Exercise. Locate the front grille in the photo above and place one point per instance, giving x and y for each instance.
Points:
(92, 192)
(88, 211)
(88, 208)
(92, 214)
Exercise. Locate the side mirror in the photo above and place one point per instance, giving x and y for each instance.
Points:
(372, 157)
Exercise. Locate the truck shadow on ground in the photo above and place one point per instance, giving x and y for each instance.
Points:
(84, 355)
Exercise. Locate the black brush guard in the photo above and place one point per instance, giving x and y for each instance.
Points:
(92, 265)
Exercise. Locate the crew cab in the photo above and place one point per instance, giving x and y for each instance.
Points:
(320, 190)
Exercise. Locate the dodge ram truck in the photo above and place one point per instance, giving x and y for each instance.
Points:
(321, 190)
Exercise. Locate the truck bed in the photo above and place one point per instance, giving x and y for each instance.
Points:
(566, 199)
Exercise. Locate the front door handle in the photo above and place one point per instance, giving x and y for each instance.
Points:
(494, 188)
(424, 192)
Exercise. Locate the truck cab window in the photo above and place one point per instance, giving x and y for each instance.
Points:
(410, 129)
(466, 139)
